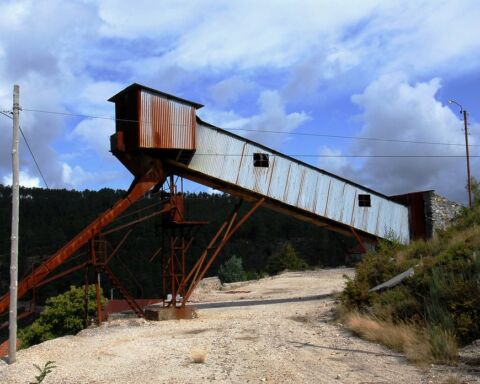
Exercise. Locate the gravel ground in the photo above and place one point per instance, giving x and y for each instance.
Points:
(291, 342)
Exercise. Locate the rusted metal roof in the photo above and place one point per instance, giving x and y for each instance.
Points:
(136, 87)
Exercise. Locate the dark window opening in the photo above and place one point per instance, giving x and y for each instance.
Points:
(364, 201)
(260, 160)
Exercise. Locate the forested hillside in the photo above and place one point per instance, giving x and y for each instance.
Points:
(49, 218)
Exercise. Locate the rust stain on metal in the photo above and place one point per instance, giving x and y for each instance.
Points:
(165, 124)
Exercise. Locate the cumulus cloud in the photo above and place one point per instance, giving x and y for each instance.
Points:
(230, 90)
(40, 54)
(272, 116)
(24, 178)
(71, 56)
(95, 134)
(75, 177)
(393, 108)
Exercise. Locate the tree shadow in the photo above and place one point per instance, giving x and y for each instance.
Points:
(303, 345)
(245, 303)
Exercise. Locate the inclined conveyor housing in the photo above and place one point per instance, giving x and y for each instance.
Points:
(163, 127)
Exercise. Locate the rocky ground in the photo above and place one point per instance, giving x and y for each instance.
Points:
(276, 338)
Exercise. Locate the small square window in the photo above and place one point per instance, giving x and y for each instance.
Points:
(260, 160)
(364, 201)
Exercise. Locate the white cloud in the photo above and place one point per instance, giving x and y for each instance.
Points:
(230, 90)
(332, 160)
(75, 176)
(272, 116)
(25, 180)
(212, 191)
(395, 109)
(71, 56)
(95, 134)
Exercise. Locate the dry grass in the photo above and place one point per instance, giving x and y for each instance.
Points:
(395, 337)
(199, 355)
(406, 338)
(453, 380)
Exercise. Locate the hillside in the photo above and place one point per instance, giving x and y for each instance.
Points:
(437, 307)
(49, 218)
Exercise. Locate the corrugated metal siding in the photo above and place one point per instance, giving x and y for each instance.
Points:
(230, 159)
(165, 124)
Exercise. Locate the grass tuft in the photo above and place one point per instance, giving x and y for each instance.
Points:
(421, 347)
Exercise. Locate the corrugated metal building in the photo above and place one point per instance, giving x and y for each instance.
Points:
(157, 125)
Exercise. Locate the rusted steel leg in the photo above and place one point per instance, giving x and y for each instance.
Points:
(359, 240)
(98, 297)
(97, 268)
(204, 254)
(227, 236)
(173, 241)
(120, 243)
(198, 265)
(123, 291)
(137, 190)
(85, 299)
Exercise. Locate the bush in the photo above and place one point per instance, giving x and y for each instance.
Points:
(442, 297)
(232, 270)
(63, 315)
(285, 258)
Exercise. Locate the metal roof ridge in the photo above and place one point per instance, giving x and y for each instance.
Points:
(160, 93)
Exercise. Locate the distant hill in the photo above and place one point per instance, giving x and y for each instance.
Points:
(50, 217)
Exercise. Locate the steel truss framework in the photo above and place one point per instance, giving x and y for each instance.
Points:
(177, 238)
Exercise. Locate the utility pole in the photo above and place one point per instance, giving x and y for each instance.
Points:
(12, 320)
(469, 181)
(465, 122)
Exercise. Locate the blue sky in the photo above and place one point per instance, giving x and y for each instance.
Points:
(369, 68)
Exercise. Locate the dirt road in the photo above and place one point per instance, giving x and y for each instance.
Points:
(280, 339)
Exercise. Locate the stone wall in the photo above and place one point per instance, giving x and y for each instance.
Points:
(440, 212)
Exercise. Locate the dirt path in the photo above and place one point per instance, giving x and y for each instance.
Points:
(288, 342)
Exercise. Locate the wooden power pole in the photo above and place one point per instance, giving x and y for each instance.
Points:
(12, 320)
(469, 179)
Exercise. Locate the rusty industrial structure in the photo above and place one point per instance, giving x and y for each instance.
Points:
(160, 139)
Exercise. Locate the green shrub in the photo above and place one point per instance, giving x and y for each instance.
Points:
(285, 258)
(232, 270)
(443, 346)
(63, 315)
(396, 303)
(443, 296)
(249, 275)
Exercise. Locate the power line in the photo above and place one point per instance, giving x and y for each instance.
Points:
(80, 115)
(337, 156)
(347, 137)
(267, 131)
(30, 150)
(5, 114)
(34, 159)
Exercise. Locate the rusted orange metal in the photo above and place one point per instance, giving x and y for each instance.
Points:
(227, 236)
(137, 190)
(360, 241)
(165, 124)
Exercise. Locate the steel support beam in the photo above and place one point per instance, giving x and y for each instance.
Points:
(137, 190)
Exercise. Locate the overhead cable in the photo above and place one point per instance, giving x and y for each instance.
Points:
(266, 131)
(30, 150)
